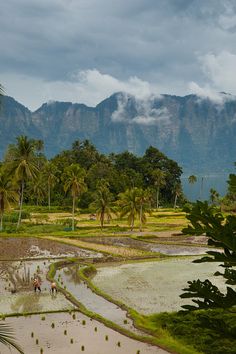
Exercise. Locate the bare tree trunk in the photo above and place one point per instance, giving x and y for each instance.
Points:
(73, 215)
(1, 218)
(49, 197)
(132, 223)
(140, 218)
(21, 204)
(201, 189)
(175, 203)
(158, 192)
(102, 218)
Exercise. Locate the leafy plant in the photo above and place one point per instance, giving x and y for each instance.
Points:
(221, 232)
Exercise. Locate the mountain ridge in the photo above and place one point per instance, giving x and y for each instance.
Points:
(196, 132)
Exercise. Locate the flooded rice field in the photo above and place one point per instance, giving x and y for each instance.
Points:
(151, 287)
(183, 250)
(31, 247)
(61, 333)
(17, 292)
(69, 277)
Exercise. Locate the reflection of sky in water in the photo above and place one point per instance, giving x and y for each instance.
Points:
(154, 286)
(90, 300)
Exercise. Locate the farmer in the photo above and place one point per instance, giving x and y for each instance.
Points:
(37, 285)
(53, 287)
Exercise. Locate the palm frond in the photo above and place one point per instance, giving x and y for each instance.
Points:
(7, 337)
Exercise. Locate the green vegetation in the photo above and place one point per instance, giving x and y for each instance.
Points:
(220, 230)
(100, 181)
(7, 337)
(205, 331)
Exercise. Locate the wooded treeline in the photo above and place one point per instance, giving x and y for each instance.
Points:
(86, 177)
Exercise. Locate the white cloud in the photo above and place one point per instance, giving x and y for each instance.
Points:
(219, 72)
(143, 111)
(206, 92)
(89, 87)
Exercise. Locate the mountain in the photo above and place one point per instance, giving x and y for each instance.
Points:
(198, 133)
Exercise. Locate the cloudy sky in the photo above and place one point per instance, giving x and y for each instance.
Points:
(85, 50)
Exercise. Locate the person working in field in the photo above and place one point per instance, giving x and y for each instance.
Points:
(53, 287)
(37, 285)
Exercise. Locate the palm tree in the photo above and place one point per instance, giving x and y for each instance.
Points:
(192, 179)
(38, 189)
(129, 205)
(102, 202)
(39, 147)
(144, 197)
(177, 193)
(74, 181)
(22, 162)
(214, 196)
(7, 337)
(49, 173)
(7, 194)
(159, 178)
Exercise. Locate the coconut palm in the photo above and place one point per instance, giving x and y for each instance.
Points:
(102, 202)
(129, 205)
(159, 178)
(214, 196)
(22, 162)
(7, 337)
(192, 179)
(49, 173)
(177, 193)
(144, 197)
(74, 181)
(7, 194)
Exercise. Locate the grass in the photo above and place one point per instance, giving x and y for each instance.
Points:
(51, 222)
(206, 331)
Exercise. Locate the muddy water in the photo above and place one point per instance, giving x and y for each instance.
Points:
(30, 247)
(182, 250)
(17, 293)
(68, 277)
(154, 286)
(94, 336)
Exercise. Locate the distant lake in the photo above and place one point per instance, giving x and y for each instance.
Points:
(201, 189)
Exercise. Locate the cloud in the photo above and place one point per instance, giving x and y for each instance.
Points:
(136, 110)
(88, 86)
(207, 92)
(219, 71)
(140, 43)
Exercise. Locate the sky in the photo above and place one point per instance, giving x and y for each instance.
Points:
(85, 50)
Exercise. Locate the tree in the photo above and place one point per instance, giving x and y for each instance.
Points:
(37, 189)
(7, 194)
(214, 196)
(159, 182)
(177, 192)
(221, 231)
(102, 202)
(232, 187)
(192, 179)
(7, 337)
(22, 162)
(129, 205)
(144, 197)
(49, 173)
(74, 181)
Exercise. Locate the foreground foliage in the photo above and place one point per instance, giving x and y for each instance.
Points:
(7, 337)
(221, 233)
(209, 331)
